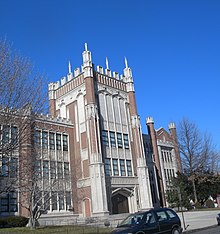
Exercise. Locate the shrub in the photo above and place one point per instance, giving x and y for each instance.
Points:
(198, 205)
(210, 204)
(13, 221)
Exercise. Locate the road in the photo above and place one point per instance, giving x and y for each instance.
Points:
(213, 230)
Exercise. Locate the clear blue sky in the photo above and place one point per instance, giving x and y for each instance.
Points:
(172, 46)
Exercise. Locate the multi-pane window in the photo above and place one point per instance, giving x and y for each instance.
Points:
(108, 167)
(52, 141)
(126, 143)
(119, 140)
(44, 140)
(5, 166)
(129, 168)
(68, 200)
(105, 138)
(61, 200)
(54, 200)
(52, 169)
(65, 143)
(60, 170)
(38, 168)
(47, 200)
(8, 202)
(66, 170)
(115, 167)
(6, 134)
(13, 165)
(122, 167)
(45, 169)
(58, 141)
(37, 137)
(14, 135)
(112, 139)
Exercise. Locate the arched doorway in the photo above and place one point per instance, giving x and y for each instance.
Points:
(119, 204)
(86, 207)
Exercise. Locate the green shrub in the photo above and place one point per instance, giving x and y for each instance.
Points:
(13, 221)
(198, 205)
(210, 204)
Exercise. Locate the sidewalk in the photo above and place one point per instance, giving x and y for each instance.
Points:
(198, 219)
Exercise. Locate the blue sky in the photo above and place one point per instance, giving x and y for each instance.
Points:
(172, 46)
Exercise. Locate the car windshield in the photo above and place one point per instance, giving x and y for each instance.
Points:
(132, 220)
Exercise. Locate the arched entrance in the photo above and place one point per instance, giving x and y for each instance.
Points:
(86, 208)
(119, 204)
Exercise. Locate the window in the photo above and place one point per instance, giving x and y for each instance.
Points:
(65, 143)
(68, 200)
(126, 143)
(54, 200)
(112, 139)
(58, 142)
(122, 167)
(5, 166)
(44, 140)
(129, 168)
(66, 170)
(105, 138)
(161, 215)
(108, 167)
(6, 134)
(61, 201)
(52, 141)
(37, 137)
(47, 200)
(150, 218)
(52, 169)
(38, 168)
(171, 214)
(8, 202)
(13, 166)
(119, 140)
(60, 170)
(14, 135)
(45, 169)
(115, 167)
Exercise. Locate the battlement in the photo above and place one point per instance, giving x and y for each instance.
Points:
(149, 120)
(87, 62)
(172, 125)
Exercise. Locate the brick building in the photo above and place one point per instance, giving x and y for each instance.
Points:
(92, 145)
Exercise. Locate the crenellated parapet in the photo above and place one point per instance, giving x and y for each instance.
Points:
(49, 118)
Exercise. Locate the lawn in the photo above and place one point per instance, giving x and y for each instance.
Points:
(58, 229)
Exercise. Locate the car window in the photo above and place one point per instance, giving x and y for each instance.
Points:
(132, 219)
(150, 218)
(161, 215)
(171, 214)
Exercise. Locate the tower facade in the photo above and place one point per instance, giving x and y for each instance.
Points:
(109, 164)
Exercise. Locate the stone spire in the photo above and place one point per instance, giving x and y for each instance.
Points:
(107, 70)
(128, 77)
(87, 62)
(69, 67)
(106, 62)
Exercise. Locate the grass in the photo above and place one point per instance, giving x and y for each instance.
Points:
(58, 229)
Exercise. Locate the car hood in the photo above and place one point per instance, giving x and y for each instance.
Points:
(121, 230)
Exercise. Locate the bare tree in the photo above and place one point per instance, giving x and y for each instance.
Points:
(196, 149)
(22, 95)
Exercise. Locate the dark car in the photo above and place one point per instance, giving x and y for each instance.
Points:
(162, 220)
(218, 218)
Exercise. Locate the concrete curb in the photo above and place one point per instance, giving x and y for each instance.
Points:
(200, 229)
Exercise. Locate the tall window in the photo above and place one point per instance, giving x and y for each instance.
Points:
(108, 167)
(14, 135)
(58, 141)
(44, 140)
(105, 138)
(60, 170)
(129, 168)
(61, 200)
(66, 170)
(122, 167)
(6, 134)
(52, 169)
(126, 143)
(65, 143)
(68, 200)
(119, 140)
(52, 141)
(38, 168)
(5, 166)
(37, 137)
(45, 169)
(115, 167)
(112, 139)
(54, 200)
